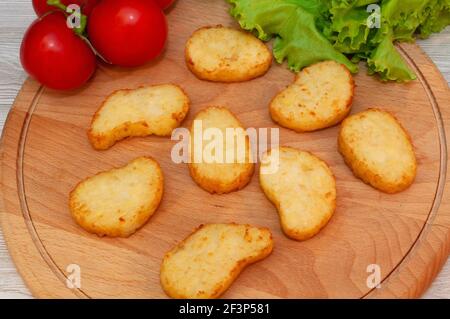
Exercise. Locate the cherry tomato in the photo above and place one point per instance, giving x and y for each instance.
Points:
(127, 32)
(41, 7)
(164, 4)
(54, 55)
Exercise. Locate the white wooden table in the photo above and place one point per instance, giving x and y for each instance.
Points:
(16, 15)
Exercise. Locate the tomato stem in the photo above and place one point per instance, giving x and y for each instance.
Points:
(57, 4)
(81, 27)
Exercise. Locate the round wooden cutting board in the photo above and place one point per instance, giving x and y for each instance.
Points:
(45, 153)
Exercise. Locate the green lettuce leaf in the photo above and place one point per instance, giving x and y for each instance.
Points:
(348, 31)
(295, 25)
(438, 18)
(309, 31)
(400, 20)
(404, 17)
(388, 63)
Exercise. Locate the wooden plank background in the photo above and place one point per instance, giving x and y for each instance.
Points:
(16, 15)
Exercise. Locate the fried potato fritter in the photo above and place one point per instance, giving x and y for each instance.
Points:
(223, 54)
(117, 202)
(378, 150)
(207, 262)
(321, 96)
(234, 168)
(303, 190)
(144, 111)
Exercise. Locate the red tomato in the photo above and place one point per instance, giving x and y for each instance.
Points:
(127, 32)
(54, 55)
(164, 4)
(41, 6)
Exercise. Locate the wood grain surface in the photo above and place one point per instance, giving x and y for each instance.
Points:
(55, 121)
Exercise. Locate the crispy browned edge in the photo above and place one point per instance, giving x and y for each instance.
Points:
(241, 264)
(229, 77)
(362, 172)
(285, 123)
(105, 141)
(113, 233)
(292, 233)
(212, 186)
